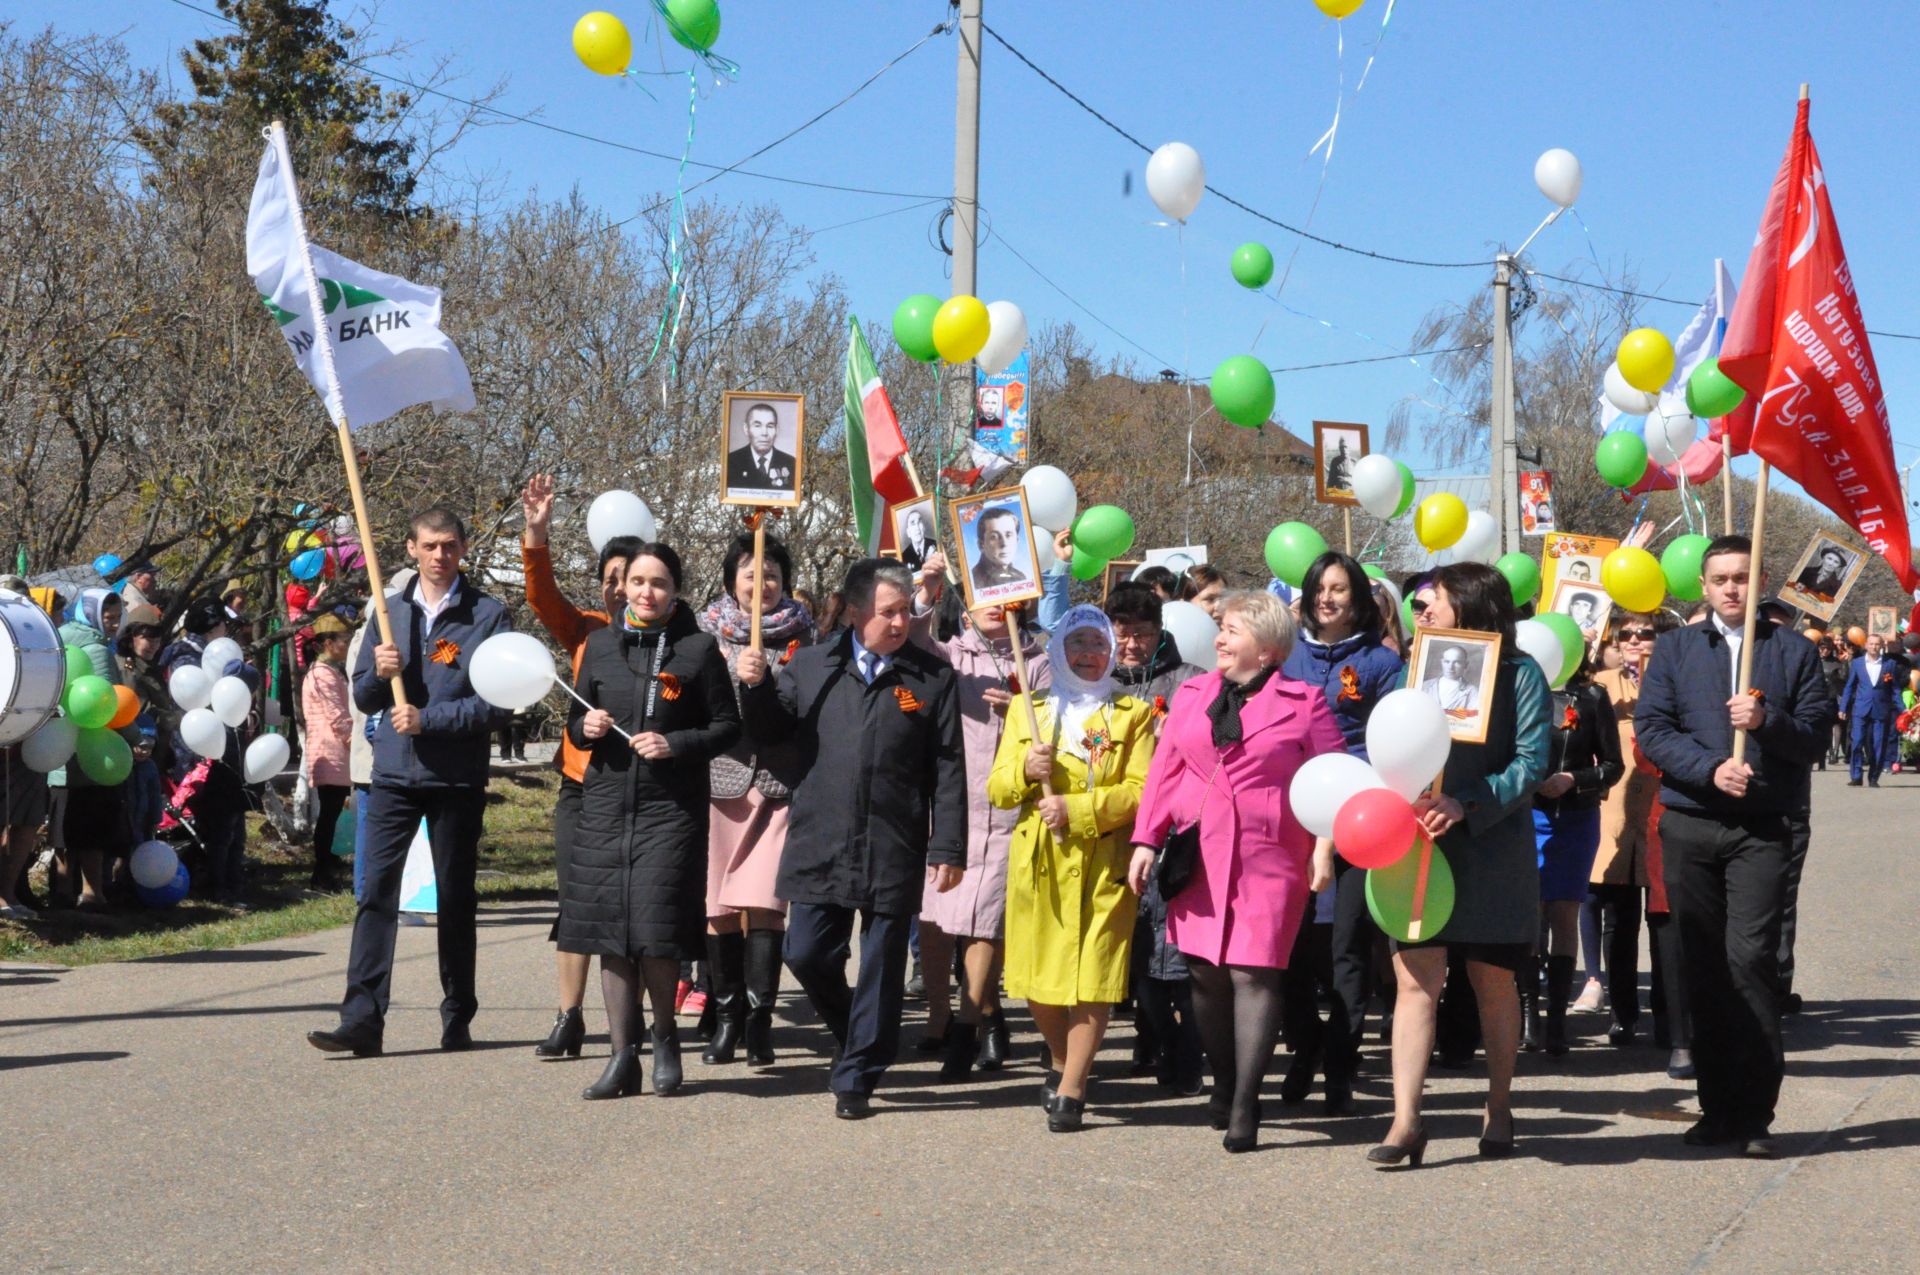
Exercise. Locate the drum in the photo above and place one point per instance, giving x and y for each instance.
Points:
(33, 667)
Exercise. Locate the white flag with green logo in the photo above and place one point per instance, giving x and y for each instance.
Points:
(388, 350)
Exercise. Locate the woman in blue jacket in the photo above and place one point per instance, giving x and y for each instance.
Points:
(1339, 650)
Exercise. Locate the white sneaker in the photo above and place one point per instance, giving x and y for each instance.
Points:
(1591, 998)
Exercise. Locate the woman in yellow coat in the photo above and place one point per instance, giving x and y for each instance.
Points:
(1069, 912)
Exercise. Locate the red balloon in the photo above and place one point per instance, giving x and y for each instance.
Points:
(1374, 828)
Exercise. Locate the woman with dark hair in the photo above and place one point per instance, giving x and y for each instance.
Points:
(1583, 764)
(1340, 651)
(1203, 587)
(752, 788)
(1481, 819)
(662, 708)
(1165, 585)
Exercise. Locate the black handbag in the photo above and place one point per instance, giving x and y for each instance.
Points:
(1180, 856)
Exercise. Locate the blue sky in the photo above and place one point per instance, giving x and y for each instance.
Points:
(1679, 113)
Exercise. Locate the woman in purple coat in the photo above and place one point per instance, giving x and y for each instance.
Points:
(1231, 745)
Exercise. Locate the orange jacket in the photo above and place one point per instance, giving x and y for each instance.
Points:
(568, 625)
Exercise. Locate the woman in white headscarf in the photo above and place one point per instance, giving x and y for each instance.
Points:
(1069, 912)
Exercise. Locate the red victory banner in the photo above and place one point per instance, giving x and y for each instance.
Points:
(1798, 345)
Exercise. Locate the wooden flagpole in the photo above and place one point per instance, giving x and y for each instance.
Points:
(1726, 483)
(336, 402)
(1346, 525)
(759, 566)
(1012, 610)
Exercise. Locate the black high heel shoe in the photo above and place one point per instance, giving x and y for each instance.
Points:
(996, 1044)
(963, 1047)
(564, 1041)
(621, 1079)
(1237, 1143)
(1388, 1154)
(1500, 1150)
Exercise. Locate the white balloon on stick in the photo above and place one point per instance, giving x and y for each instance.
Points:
(1376, 485)
(1176, 178)
(618, 513)
(1323, 784)
(231, 701)
(204, 733)
(1051, 500)
(514, 670)
(266, 757)
(1408, 741)
(1557, 174)
(218, 654)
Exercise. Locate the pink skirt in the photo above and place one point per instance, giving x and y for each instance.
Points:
(744, 838)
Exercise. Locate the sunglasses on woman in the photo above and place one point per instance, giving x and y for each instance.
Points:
(1636, 635)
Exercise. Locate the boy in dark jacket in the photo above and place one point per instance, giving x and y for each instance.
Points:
(430, 758)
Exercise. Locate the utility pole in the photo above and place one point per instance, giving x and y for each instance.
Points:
(966, 206)
(1504, 493)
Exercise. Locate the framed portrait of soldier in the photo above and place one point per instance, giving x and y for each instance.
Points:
(913, 540)
(1883, 622)
(1119, 571)
(1585, 604)
(762, 449)
(1820, 581)
(1567, 555)
(1457, 669)
(1337, 448)
(999, 564)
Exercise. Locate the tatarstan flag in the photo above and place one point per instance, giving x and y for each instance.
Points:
(877, 474)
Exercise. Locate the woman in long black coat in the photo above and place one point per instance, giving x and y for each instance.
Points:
(636, 882)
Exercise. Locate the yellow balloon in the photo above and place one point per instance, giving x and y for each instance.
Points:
(1632, 578)
(1440, 520)
(300, 541)
(1646, 360)
(960, 328)
(602, 42)
(1339, 8)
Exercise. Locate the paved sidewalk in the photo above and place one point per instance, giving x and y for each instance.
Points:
(167, 1115)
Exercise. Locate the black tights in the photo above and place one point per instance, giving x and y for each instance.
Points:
(620, 984)
(1237, 1009)
(333, 799)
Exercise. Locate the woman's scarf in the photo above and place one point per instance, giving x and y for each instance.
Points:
(1073, 700)
(1224, 712)
(727, 620)
(87, 610)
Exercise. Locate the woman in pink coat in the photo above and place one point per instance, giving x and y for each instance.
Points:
(323, 699)
(1232, 742)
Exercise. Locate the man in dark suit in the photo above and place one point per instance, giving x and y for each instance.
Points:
(760, 464)
(1869, 702)
(1727, 832)
(882, 795)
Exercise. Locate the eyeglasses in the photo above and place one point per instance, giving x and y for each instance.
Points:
(1417, 607)
(1636, 635)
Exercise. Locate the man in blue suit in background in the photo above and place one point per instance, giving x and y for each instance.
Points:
(1868, 703)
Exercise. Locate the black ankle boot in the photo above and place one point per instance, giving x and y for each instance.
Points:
(763, 990)
(996, 1047)
(1559, 987)
(666, 1061)
(621, 1079)
(726, 970)
(1299, 1079)
(569, 1032)
(1532, 1038)
(963, 1047)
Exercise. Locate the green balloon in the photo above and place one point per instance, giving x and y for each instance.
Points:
(1252, 265)
(104, 757)
(1086, 566)
(1390, 895)
(1374, 570)
(78, 665)
(1680, 562)
(1291, 549)
(1406, 489)
(1572, 641)
(913, 327)
(90, 701)
(1242, 390)
(694, 24)
(1104, 532)
(1711, 392)
(1523, 576)
(1406, 615)
(1621, 458)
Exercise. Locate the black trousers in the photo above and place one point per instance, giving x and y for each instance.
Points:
(1669, 993)
(1800, 837)
(333, 799)
(1620, 940)
(865, 1017)
(453, 818)
(1726, 884)
(1354, 938)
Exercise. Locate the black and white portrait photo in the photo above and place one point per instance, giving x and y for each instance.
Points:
(1581, 601)
(1822, 578)
(1456, 669)
(1337, 448)
(762, 443)
(996, 544)
(913, 532)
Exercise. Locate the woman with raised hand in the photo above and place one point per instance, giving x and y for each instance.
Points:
(1077, 788)
(662, 706)
(1232, 742)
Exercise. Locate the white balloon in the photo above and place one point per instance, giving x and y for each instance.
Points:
(1408, 741)
(153, 864)
(50, 747)
(1376, 485)
(1623, 396)
(1192, 630)
(1669, 436)
(1539, 641)
(618, 513)
(231, 701)
(1051, 499)
(190, 687)
(1323, 784)
(1043, 550)
(1480, 542)
(1557, 174)
(204, 733)
(1176, 178)
(219, 653)
(512, 671)
(266, 757)
(1006, 337)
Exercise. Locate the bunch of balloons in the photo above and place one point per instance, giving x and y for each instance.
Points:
(959, 330)
(1556, 644)
(602, 41)
(1100, 534)
(211, 698)
(1383, 486)
(1366, 806)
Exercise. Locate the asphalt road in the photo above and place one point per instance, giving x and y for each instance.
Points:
(167, 1115)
